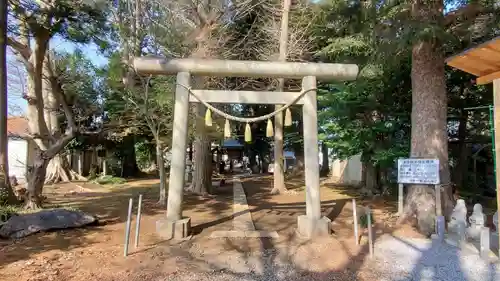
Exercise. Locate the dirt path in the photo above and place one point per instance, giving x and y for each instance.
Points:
(96, 253)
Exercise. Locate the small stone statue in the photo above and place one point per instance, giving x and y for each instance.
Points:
(458, 221)
(476, 221)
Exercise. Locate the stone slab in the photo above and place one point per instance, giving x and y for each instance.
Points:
(178, 230)
(26, 224)
(244, 234)
(309, 228)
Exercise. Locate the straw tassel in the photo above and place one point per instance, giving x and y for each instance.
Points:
(288, 118)
(248, 133)
(208, 118)
(269, 128)
(227, 129)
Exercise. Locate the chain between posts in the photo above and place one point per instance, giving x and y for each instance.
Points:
(243, 119)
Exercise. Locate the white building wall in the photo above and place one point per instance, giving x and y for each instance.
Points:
(18, 157)
(349, 172)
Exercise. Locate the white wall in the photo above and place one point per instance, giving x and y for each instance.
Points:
(348, 171)
(18, 156)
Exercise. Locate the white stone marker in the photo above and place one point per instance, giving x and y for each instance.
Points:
(458, 222)
(484, 242)
(476, 221)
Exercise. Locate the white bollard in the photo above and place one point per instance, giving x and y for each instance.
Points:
(370, 231)
(355, 221)
(485, 243)
(440, 229)
(127, 228)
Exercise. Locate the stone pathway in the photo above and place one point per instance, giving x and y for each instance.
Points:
(243, 225)
(242, 220)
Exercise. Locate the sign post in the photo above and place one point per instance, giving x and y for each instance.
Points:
(421, 171)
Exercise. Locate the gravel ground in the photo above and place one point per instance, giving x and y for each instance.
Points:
(423, 260)
(395, 260)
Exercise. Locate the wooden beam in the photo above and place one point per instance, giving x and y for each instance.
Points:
(496, 118)
(464, 68)
(246, 97)
(488, 78)
(233, 68)
(482, 45)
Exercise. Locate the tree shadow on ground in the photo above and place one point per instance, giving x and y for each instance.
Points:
(111, 209)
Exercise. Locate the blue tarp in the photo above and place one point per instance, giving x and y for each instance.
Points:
(232, 144)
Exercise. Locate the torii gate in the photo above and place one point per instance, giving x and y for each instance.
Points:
(175, 225)
(483, 61)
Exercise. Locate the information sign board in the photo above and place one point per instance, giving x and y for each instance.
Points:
(418, 171)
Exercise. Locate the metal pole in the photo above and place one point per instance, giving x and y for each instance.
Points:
(477, 107)
(492, 131)
(127, 228)
(400, 199)
(355, 218)
(496, 124)
(370, 233)
(138, 222)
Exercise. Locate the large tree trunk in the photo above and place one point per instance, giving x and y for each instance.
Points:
(279, 171)
(36, 180)
(369, 178)
(58, 169)
(429, 137)
(6, 193)
(325, 164)
(130, 168)
(460, 170)
(202, 180)
(161, 169)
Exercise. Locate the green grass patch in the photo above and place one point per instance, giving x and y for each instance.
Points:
(105, 180)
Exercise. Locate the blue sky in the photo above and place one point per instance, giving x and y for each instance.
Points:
(90, 51)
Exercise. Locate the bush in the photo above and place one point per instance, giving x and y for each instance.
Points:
(8, 211)
(363, 220)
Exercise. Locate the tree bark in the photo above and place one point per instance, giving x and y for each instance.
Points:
(429, 137)
(202, 180)
(58, 169)
(325, 164)
(370, 178)
(6, 193)
(279, 171)
(161, 169)
(460, 171)
(36, 180)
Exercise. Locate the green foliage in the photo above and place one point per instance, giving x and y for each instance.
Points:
(77, 21)
(7, 211)
(363, 220)
(145, 154)
(372, 116)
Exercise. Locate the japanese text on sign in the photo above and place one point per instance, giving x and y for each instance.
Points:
(418, 171)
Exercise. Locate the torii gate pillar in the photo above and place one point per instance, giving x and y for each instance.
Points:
(309, 225)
